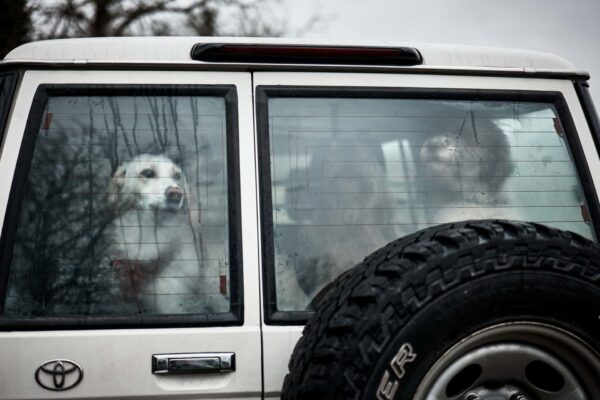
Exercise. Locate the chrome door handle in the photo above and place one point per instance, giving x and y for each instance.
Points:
(192, 363)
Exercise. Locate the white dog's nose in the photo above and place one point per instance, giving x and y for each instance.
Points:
(174, 194)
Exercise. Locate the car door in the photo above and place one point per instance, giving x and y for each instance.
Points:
(122, 270)
(350, 162)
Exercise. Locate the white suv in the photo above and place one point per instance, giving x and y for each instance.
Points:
(173, 211)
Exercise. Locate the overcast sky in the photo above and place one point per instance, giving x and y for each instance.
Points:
(568, 28)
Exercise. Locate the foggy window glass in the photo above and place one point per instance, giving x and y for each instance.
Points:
(350, 175)
(125, 209)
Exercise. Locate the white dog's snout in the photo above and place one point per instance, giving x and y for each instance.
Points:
(174, 193)
(174, 196)
(174, 189)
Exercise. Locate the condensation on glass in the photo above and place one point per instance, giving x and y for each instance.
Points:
(125, 209)
(350, 175)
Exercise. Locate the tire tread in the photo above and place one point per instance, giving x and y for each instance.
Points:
(354, 321)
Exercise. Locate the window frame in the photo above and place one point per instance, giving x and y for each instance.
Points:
(11, 219)
(272, 316)
(591, 115)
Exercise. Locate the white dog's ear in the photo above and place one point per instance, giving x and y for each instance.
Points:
(194, 208)
(115, 186)
(192, 203)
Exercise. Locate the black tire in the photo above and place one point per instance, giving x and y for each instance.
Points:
(430, 290)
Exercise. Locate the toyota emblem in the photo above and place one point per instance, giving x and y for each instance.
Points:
(58, 375)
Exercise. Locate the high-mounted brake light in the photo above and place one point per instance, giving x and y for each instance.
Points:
(297, 54)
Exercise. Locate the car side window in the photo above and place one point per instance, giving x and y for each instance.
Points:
(125, 207)
(349, 175)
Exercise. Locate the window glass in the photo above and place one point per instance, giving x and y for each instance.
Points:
(350, 175)
(125, 208)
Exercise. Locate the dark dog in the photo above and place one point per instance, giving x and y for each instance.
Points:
(440, 172)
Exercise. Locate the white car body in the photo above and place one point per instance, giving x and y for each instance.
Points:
(116, 362)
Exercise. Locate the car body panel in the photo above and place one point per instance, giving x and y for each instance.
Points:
(117, 363)
(281, 339)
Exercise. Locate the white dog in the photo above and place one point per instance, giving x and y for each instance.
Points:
(156, 248)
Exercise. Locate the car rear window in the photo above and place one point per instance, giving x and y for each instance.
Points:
(125, 208)
(348, 175)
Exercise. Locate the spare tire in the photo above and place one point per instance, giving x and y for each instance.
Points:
(472, 310)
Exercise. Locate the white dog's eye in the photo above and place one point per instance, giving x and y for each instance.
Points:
(177, 176)
(148, 173)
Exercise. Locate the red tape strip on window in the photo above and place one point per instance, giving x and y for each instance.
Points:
(223, 285)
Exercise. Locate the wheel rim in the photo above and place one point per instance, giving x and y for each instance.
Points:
(515, 361)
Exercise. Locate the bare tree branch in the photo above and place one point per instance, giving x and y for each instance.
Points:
(84, 18)
(142, 9)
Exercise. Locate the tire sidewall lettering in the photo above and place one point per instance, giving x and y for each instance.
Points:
(390, 381)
